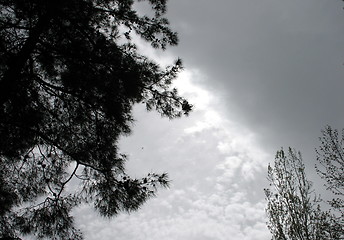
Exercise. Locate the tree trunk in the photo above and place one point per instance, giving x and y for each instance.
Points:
(11, 80)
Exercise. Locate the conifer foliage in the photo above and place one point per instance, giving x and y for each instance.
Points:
(69, 76)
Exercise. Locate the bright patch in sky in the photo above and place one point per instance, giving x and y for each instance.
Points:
(216, 173)
(261, 75)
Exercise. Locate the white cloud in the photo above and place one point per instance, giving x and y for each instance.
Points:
(209, 162)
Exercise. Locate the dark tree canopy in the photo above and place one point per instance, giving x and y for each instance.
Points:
(69, 76)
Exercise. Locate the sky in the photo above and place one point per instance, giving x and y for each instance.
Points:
(262, 75)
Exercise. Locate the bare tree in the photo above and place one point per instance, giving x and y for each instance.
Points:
(293, 208)
(330, 156)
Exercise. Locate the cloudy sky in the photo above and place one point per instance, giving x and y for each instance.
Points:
(262, 75)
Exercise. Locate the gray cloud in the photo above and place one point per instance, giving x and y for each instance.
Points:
(266, 74)
(277, 64)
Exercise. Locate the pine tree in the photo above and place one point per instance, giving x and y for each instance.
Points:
(70, 75)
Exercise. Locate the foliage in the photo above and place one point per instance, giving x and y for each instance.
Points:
(330, 156)
(69, 78)
(293, 208)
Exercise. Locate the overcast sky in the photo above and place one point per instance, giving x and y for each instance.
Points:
(262, 75)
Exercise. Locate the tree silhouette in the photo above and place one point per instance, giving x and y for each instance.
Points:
(293, 209)
(330, 167)
(69, 77)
